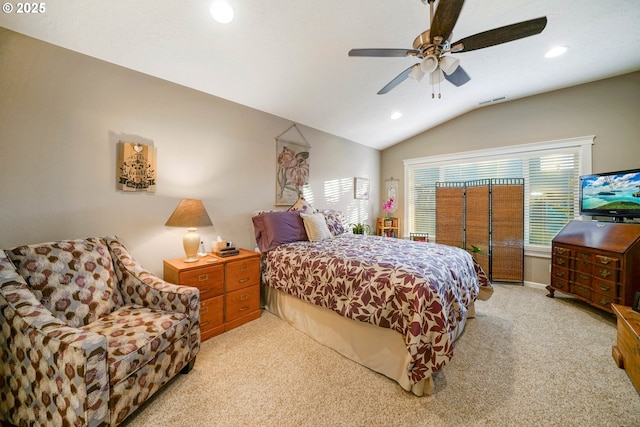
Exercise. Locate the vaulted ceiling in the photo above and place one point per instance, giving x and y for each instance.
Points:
(290, 58)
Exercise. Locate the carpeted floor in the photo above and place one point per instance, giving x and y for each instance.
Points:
(525, 360)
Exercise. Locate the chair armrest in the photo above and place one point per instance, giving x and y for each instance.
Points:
(48, 370)
(139, 286)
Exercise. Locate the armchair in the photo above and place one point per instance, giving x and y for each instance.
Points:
(86, 334)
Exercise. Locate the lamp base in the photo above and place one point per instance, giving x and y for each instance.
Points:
(191, 243)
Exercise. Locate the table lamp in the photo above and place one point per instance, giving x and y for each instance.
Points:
(190, 213)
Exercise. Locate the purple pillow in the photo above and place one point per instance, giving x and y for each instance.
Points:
(273, 229)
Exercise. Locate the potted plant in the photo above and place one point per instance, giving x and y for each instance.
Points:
(360, 228)
(388, 207)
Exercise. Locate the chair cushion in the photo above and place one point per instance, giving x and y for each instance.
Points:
(135, 335)
(74, 279)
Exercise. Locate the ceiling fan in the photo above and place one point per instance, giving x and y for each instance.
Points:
(433, 45)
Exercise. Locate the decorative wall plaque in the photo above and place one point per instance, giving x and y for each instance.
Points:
(136, 167)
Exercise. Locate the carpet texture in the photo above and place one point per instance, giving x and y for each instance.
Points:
(525, 360)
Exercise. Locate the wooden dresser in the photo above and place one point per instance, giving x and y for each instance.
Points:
(229, 289)
(597, 262)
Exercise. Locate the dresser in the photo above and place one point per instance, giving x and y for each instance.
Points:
(597, 262)
(229, 289)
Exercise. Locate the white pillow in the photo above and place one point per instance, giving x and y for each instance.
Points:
(316, 227)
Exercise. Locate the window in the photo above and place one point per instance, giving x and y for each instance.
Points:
(550, 170)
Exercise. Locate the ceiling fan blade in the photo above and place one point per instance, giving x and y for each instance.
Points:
(458, 77)
(445, 18)
(385, 53)
(500, 35)
(397, 80)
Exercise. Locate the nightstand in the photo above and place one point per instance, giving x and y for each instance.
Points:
(229, 289)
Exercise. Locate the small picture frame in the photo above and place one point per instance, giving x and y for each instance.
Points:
(361, 188)
(636, 302)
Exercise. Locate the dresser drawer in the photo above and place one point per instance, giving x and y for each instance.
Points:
(605, 272)
(581, 291)
(243, 273)
(608, 261)
(604, 287)
(603, 301)
(242, 302)
(209, 280)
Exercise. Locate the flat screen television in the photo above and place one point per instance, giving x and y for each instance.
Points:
(611, 194)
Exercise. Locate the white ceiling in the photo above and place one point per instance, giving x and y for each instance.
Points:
(289, 57)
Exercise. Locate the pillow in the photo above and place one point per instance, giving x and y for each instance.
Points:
(316, 227)
(273, 229)
(302, 205)
(336, 222)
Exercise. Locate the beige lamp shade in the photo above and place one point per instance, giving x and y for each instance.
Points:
(190, 213)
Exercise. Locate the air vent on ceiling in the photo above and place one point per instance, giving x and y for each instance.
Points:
(490, 101)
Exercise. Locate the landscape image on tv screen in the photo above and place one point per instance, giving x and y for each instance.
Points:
(619, 192)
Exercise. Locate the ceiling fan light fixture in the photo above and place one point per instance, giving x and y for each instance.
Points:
(429, 64)
(221, 11)
(436, 77)
(449, 64)
(416, 74)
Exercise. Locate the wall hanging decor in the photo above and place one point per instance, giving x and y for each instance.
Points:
(136, 167)
(361, 188)
(292, 167)
(391, 187)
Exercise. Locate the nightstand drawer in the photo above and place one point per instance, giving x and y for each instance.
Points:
(243, 273)
(211, 317)
(209, 280)
(243, 302)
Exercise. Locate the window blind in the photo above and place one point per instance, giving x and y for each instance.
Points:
(550, 171)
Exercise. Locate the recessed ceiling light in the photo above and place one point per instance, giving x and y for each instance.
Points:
(396, 115)
(556, 51)
(221, 11)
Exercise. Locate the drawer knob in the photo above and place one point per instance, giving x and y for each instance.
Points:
(560, 261)
(584, 277)
(204, 291)
(560, 273)
(244, 267)
(202, 325)
(203, 277)
(245, 308)
(604, 287)
(604, 260)
(244, 297)
(246, 279)
(560, 251)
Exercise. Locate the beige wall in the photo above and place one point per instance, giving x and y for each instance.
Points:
(608, 109)
(62, 114)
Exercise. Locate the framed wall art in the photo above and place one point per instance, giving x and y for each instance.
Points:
(361, 188)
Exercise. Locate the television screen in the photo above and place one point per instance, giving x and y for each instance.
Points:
(615, 194)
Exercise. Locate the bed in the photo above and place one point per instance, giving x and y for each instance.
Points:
(395, 306)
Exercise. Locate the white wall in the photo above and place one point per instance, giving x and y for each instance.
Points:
(62, 114)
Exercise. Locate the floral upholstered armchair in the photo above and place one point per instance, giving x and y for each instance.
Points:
(86, 334)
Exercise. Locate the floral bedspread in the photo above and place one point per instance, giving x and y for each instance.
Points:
(422, 290)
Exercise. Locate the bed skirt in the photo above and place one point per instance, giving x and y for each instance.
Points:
(380, 349)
